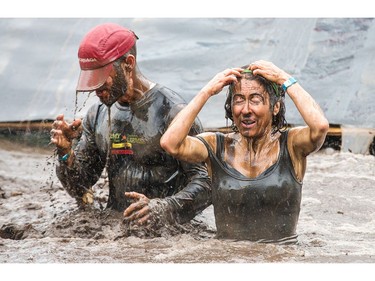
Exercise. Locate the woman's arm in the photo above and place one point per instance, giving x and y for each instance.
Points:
(308, 139)
(176, 140)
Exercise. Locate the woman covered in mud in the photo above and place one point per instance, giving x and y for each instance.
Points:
(257, 170)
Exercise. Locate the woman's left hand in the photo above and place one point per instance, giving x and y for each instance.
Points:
(269, 71)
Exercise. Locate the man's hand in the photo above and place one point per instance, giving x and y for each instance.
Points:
(63, 133)
(139, 210)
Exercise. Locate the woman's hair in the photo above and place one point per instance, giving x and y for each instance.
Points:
(275, 92)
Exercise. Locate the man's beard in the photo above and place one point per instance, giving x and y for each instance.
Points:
(118, 89)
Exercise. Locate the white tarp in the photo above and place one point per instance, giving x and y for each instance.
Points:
(334, 59)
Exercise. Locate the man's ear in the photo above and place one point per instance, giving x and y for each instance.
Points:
(129, 63)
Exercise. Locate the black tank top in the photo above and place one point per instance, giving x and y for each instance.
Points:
(263, 209)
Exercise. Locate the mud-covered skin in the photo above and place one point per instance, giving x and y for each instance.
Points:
(137, 162)
(265, 208)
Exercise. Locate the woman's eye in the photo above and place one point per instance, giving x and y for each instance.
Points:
(238, 100)
(256, 100)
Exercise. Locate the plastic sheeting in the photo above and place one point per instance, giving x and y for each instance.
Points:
(334, 59)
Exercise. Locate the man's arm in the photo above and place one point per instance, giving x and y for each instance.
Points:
(181, 207)
(82, 169)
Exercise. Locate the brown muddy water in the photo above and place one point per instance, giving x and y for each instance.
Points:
(40, 223)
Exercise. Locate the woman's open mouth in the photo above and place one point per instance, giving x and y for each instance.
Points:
(248, 123)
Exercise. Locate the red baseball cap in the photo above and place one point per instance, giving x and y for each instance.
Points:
(100, 47)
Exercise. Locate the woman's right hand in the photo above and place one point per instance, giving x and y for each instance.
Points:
(222, 79)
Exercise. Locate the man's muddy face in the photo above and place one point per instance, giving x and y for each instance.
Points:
(114, 87)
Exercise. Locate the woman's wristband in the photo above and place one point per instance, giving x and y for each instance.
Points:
(288, 83)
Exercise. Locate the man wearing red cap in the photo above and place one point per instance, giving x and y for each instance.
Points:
(121, 134)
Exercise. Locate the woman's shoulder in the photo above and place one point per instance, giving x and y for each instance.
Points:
(213, 136)
(209, 137)
(230, 138)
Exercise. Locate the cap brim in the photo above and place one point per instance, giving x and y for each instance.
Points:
(92, 79)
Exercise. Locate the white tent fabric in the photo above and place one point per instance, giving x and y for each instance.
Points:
(334, 59)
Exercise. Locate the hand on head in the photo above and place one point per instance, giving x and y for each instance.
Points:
(222, 79)
(269, 71)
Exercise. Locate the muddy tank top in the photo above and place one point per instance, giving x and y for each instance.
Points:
(263, 209)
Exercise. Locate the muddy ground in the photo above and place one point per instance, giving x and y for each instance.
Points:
(40, 223)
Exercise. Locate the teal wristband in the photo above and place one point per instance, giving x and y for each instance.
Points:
(288, 83)
(65, 157)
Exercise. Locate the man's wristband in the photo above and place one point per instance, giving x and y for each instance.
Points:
(288, 83)
(65, 157)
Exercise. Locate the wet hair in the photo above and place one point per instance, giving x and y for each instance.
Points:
(132, 51)
(117, 62)
(275, 92)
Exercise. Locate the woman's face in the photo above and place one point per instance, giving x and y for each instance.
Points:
(251, 108)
